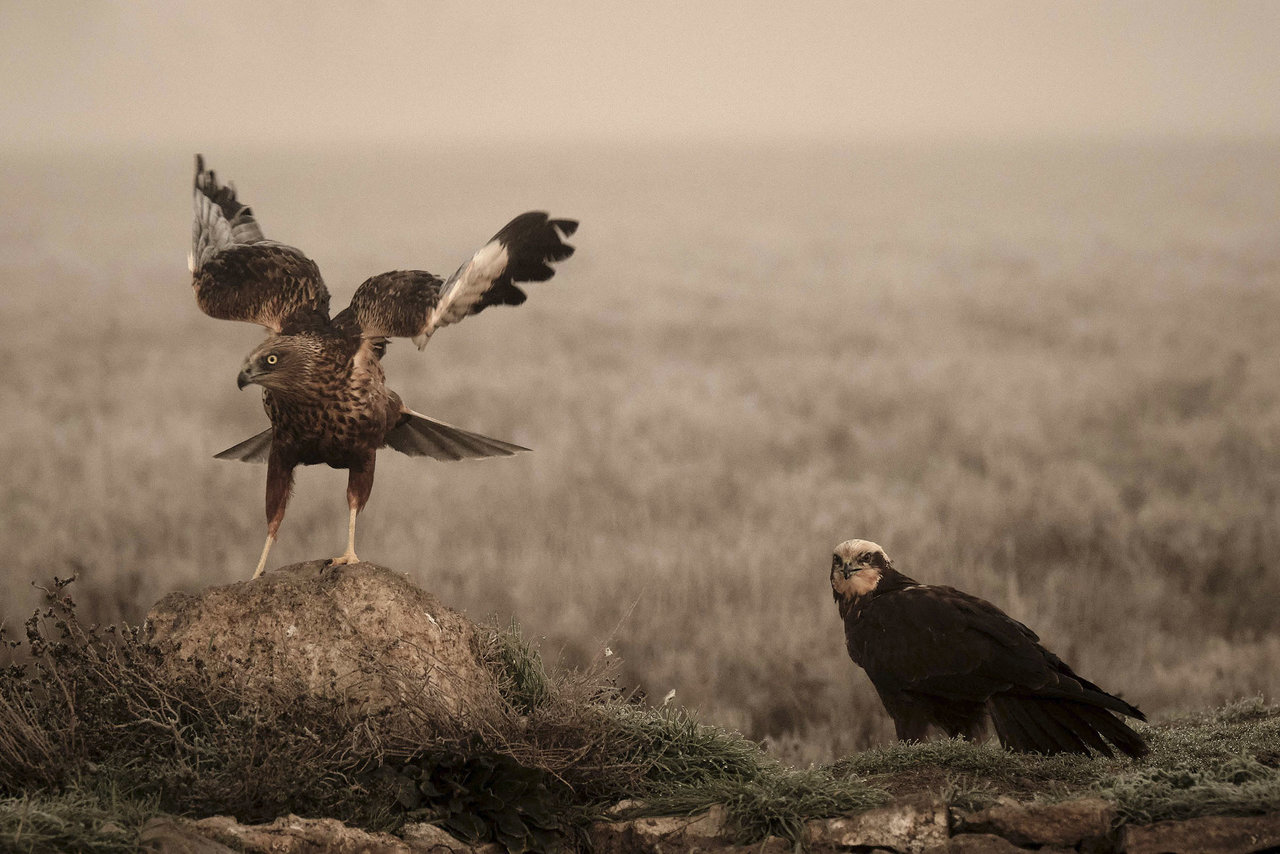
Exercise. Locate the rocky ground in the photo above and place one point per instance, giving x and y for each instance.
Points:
(918, 826)
(349, 693)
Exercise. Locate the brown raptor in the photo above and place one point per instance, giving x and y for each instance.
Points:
(322, 382)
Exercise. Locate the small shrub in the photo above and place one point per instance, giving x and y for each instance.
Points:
(481, 796)
(101, 704)
(71, 822)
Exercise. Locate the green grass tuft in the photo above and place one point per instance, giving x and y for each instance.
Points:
(522, 677)
(773, 800)
(562, 751)
(72, 821)
(1237, 785)
(1221, 762)
(564, 748)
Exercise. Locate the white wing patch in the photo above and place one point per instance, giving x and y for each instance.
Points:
(465, 288)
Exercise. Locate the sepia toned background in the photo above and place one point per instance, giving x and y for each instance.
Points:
(996, 285)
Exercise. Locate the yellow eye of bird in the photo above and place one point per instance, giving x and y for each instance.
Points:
(272, 359)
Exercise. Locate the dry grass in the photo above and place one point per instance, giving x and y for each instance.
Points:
(1042, 375)
(137, 733)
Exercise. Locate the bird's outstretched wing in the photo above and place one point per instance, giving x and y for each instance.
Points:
(420, 436)
(414, 304)
(237, 273)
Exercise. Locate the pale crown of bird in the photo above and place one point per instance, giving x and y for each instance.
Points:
(856, 568)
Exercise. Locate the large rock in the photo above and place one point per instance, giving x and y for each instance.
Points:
(361, 634)
(1217, 834)
(978, 843)
(911, 825)
(293, 835)
(707, 833)
(167, 835)
(1067, 824)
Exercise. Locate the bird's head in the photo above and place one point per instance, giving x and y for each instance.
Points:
(281, 363)
(856, 569)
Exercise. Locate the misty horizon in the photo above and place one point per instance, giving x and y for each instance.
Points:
(155, 75)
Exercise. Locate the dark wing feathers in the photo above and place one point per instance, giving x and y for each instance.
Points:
(414, 303)
(220, 219)
(255, 449)
(534, 241)
(420, 436)
(391, 304)
(240, 275)
(942, 643)
(1039, 724)
(948, 640)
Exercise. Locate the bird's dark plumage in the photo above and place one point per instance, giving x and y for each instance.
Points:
(940, 657)
(323, 386)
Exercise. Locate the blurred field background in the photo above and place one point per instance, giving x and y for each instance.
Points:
(1045, 374)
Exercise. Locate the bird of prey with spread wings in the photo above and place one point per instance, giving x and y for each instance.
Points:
(940, 657)
(322, 382)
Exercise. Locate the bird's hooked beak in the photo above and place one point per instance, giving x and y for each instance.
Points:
(244, 378)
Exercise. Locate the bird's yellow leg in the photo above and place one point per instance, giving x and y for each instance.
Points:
(262, 561)
(350, 555)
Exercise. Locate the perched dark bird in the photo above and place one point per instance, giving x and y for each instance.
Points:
(938, 656)
(322, 380)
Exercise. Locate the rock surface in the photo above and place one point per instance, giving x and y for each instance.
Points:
(911, 825)
(706, 833)
(423, 837)
(975, 843)
(178, 836)
(293, 835)
(1218, 834)
(1065, 825)
(361, 633)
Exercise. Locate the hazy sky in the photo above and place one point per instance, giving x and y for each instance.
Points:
(200, 74)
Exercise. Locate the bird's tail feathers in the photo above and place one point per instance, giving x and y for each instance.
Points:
(255, 449)
(1051, 725)
(420, 436)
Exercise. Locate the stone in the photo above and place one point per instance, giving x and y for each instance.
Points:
(177, 836)
(361, 633)
(1068, 824)
(911, 825)
(707, 833)
(293, 835)
(425, 838)
(976, 843)
(1219, 834)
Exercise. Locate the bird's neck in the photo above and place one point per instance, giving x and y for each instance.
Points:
(890, 581)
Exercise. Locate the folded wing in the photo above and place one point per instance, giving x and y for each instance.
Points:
(237, 273)
(942, 643)
(414, 304)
